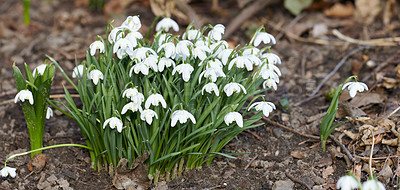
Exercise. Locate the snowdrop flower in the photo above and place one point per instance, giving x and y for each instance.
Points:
(219, 46)
(216, 32)
(200, 52)
(95, 75)
(154, 100)
(165, 62)
(39, 69)
(272, 58)
(347, 182)
(151, 62)
(270, 83)
(134, 95)
(169, 49)
(133, 106)
(132, 23)
(240, 63)
(373, 184)
(215, 64)
(166, 24)
(212, 73)
(96, 45)
(24, 95)
(77, 71)
(234, 116)
(264, 37)
(147, 115)
(122, 43)
(224, 55)
(254, 60)
(140, 67)
(182, 48)
(113, 122)
(182, 116)
(113, 37)
(265, 107)
(8, 171)
(191, 34)
(267, 73)
(209, 88)
(141, 53)
(353, 87)
(232, 87)
(49, 113)
(251, 51)
(185, 70)
(133, 36)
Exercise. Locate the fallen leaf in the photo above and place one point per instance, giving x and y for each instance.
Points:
(390, 142)
(37, 163)
(327, 171)
(371, 98)
(390, 9)
(228, 173)
(357, 171)
(298, 154)
(296, 6)
(324, 162)
(134, 177)
(385, 174)
(339, 10)
(367, 10)
(389, 83)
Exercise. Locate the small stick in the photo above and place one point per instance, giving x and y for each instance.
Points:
(343, 147)
(255, 135)
(289, 129)
(374, 42)
(340, 64)
(251, 161)
(296, 180)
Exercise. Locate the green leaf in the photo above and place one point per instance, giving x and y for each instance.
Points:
(296, 6)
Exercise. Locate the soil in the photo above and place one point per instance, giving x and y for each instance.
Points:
(273, 157)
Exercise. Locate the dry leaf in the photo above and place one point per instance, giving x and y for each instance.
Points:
(298, 154)
(389, 82)
(134, 177)
(357, 171)
(37, 163)
(390, 9)
(351, 135)
(339, 10)
(390, 142)
(371, 98)
(385, 174)
(346, 109)
(367, 10)
(327, 171)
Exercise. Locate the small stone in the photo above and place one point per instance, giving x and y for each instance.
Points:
(228, 173)
(43, 185)
(370, 63)
(52, 179)
(285, 117)
(277, 153)
(63, 183)
(277, 132)
(5, 184)
(318, 187)
(283, 185)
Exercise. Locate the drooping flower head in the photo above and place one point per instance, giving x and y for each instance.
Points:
(373, 184)
(133, 106)
(95, 76)
(232, 87)
(166, 23)
(147, 115)
(181, 116)
(185, 70)
(347, 182)
(210, 87)
(96, 45)
(39, 69)
(8, 171)
(216, 32)
(265, 107)
(155, 100)
(114, 122)
(134, 95)
(132, 23)
(234, 117)
(264, 37)
(24, 95)
(77, 71)
(355, 87)
(49, 113)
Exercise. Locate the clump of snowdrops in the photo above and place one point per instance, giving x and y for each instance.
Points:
(177, 99)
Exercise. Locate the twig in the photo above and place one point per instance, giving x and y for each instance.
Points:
(343, 147)
(296, 180)
(251, 161)
(374, 42)
(289, 129)
(246, 14)
(255, 135)
(377, 158)
(340, 64)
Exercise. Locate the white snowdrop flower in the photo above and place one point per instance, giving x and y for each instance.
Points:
(151, 62)
(24, 95)
(133, 106)
(191, 34)
(165, 62)
(373, 184)
(77, 71)
(113, 122)
(181, 116)
(39, 69)
(234, 117)
(169, 49)
(166, 23)
(219, 46)
(353, 87)
(182, 48)
(161, 38)
(272, 58)
(214, 64)
(271, 67)
(254, 59)
(212, 73)
(210, 87)
(232, 87)
(251, 51)
(216, 32)
(147, 115)
(270, 83)
(347, 182)
(132, 37)
(96, 45)
(122, 43)
(241, 62)
(8, 171)
(49, 113)
(265, 38)
(267, 73)
(200, 52)
(265, 107)
(155, 100)
(132, 23)
(224, 55)
(95, 76)
(140, 67)
(141, 53)
(134, 95)
(122, 52)
(185, 70)
(115, 34)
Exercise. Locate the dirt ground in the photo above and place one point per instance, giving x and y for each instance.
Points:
(276, 158)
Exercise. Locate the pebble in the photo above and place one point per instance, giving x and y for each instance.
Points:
(283, 185)
(277, 132)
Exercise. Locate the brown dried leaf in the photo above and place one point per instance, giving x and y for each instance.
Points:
(298, 154)
(371, 98)
(367, 10)
(37, 163)
(339, 10)
(357, 171)
(134, 177)
(327, 171)
(390, 9)
(389, 82)
(390, 142)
